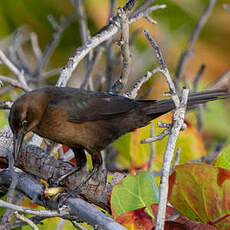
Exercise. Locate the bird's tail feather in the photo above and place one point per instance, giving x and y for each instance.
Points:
(158, 108)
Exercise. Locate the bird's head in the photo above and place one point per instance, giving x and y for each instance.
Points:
(25, 114)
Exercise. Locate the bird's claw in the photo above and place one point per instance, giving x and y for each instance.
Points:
(72, 193)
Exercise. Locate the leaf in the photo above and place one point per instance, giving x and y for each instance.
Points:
(201, 192)
(189, 140)
(136, 155)
(223, 159)
(217, 118)
(140, 220)
(133, 193)
(189, 224)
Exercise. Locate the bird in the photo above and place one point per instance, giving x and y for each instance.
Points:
(88, 120)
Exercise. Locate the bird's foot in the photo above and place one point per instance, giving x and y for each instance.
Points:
(72, 193)
(60, 181)
(54, 183)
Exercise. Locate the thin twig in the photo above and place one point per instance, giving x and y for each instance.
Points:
(49, 49)
(35, 45)
(200, 118)
(29, 210)
(145, 13)
(80, 12)
(6, 61)
(176, 159)
(50, 73)
(14, 179)
(198, 76)
(164, 125)
(133, 92)
(17, 224)
(211, 157)
(156, 138)
(152, 21)
(163, 69)
(16, 53)
(78, 226)
(60, 224)
(200, 112)
(144, 6)
(6, 104)
(15, 83)
(125, 52)
(27, 220)
(152, 154)
(110, 50)
(93, 62)
(195, 34)
(84, 31)
(221, 81)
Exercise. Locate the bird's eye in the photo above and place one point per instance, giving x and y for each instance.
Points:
(24, 123)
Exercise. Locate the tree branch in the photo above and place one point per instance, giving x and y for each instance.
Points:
(195, 34)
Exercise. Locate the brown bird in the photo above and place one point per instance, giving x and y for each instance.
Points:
(88, 120)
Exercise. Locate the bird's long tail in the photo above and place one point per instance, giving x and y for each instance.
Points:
(158, 108)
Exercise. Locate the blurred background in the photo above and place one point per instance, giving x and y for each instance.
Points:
(175, 23)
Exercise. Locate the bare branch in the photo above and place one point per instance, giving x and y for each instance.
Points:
(145, 12)
(51, 46)
(9, 64)
(152, 154)
(148, 18)
(177, 124)
(84, 31)
(176, 159)
(29, 210)
(125, 52)
(103, 35)
(15, 83)
(110, 51)
(178, 121)
(80, 12)
(197, 78)
(92, 64)
(139, 83)
(163, 69)
(195, 34)
(6, 104)
(221, 81)
(27, 220)
(143, 6)
(50, 73)
(35, 46)
(156, 138)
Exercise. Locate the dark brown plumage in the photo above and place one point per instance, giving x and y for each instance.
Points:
(87, 120)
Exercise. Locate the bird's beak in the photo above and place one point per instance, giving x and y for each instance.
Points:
(18, 138)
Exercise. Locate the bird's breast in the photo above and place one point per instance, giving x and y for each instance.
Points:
(92, 135)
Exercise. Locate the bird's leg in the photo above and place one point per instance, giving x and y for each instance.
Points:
(97, 163)
(80, 157)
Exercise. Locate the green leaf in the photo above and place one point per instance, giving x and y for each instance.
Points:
(223, 159)
(216, 119)
(133, 193)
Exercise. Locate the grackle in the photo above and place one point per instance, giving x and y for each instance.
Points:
(88, 120)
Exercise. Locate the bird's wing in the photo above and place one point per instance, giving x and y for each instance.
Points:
(85, 105)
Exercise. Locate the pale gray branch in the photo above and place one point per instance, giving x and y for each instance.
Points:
(195, 34)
